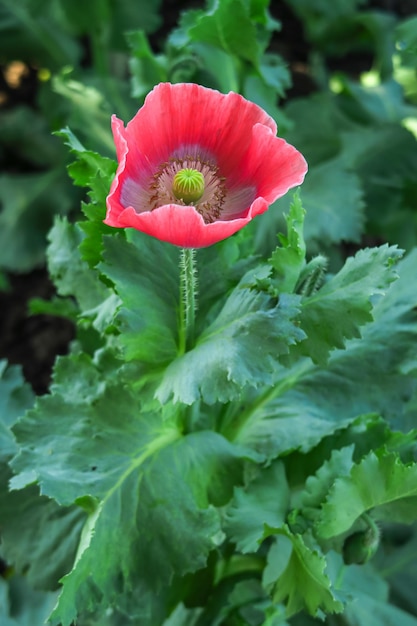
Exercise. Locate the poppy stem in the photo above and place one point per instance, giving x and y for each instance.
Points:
(188, 297)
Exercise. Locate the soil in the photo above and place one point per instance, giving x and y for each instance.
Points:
(34, 341)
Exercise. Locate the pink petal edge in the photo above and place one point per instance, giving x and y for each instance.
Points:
(182, 225)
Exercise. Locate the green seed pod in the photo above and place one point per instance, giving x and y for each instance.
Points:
(188, 185)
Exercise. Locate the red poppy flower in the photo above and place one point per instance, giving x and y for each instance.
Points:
(196, 165)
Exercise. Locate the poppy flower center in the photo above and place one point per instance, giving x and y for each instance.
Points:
(189, 181)
(188, 185)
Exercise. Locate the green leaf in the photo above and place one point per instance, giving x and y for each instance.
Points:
(368, 599)
(302, 583)
(152, 491)
(211, 66)
(159, 518)
(380, 103)
(317, 124)
(15, 398)
(59, 307)
(112, 20)
(336, 312)
(70, 273)
(239, 349)
(319, 17)
(43, 550)
(182, 616)
(146, 68)
(25, 36)
(89, 110)
(275, 73)
(257, 90)
(379, 479)
(249, 605)
(406, 37)
(331, 217)
(218, 28)
(318, 486)
(289, 259)
(37, 147)
(385, 158)
(219, 270)
(264, 501)
(399, 566)
(96, 172)
(91, 169)
(20, 605)
(146, 278)
(29, 204)
(373, 374)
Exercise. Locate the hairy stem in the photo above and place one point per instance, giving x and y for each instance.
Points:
(188, 298)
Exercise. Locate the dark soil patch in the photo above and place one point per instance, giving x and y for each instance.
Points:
(32, 341)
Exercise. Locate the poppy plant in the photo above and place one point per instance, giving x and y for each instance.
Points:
(195, 165)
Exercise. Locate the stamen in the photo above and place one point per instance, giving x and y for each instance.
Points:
(190, 180)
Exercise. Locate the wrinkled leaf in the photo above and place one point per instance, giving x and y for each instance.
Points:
(239, 349)
(379, 479)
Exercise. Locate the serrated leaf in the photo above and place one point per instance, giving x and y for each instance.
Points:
(289, 259)
(146, 278)
(377, 480)
(303, 583)
(336, 312)
(264, 501)
(239, 349)
(89, 168)
(155, 489)
(96, 172)
(374, 374)
(159, 519)
(317, 486)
